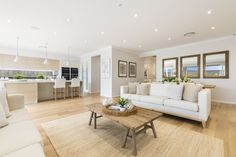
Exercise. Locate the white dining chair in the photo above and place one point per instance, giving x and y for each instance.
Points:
(75, 87)
(61, 85)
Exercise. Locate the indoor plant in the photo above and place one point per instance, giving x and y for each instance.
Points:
(170, 79)
(18, 76)
(186, 79)
(122, 102)
(40, 76)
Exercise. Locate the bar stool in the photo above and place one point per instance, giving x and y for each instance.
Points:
(75, 87)
(59, 84)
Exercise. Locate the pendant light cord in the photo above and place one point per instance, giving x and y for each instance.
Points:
(17, 46)
(46, 52)
(68, 55)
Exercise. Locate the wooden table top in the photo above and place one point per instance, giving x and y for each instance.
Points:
(136, 121)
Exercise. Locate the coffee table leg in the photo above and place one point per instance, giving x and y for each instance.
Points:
(125, 138)
(134, 141)
(145, 130)
(95, 120)
(91, 118)
(153, 130)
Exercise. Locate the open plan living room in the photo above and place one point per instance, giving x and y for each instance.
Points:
(117, 78)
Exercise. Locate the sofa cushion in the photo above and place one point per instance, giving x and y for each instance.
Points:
(151, 106)
(34, 150)
(143, 89)
(126, 96)
(181, 104)
(191, 92)
(3, 101)
(135, 97)
(133, 87)
(153, 99)
(175, 91)
(17, 136)
(158, 89)
(3, 119)
(18, 116)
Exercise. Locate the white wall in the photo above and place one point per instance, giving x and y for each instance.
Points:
(118, 54)
(110, 86)
(95, 74)
(72, 63)
(106, 83)
(225, 90)
(27, 63)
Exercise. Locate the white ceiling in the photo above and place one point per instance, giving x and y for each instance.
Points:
(88, 18)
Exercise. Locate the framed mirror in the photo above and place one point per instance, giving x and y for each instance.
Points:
(216, 65)
(170, 67)
(190, 66)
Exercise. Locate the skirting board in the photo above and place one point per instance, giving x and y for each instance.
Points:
(224, 102)
(95, 92)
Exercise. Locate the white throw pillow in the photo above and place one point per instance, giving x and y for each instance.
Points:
(3, 102)
(159, 89)
(133, 87)
(175, 91)
(191, 92)
(3, 119)
(143, 89)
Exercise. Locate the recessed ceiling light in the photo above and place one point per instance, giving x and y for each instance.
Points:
(209, 12)
(67, 20)
(120, 5)
(55, 33)
(135, 15)
(140, 46)
(8, 21)
(213, 28)
(35, 28)
(124, 41)
(156, 30)
(169, 38)
(42, 46)
(102, 33)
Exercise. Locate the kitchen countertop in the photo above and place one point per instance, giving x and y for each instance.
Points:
(36, 90)
(31, 81)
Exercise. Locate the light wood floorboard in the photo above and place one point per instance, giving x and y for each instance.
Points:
(222, 122)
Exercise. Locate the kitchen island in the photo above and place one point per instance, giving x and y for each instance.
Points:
(36, 90)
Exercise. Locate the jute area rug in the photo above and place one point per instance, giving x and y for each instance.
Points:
(72, 137)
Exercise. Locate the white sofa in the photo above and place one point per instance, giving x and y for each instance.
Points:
(20, 138)
(159, 100)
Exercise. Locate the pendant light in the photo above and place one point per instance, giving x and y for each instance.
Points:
(46, 57)
(46, 53)
(17, 50)
(68, 57)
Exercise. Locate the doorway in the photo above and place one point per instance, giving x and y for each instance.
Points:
(95, 74)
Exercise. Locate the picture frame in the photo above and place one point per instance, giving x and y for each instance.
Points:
(190, 66)
(170, 67)
(216, 65)
(122, 68)
(132, 69)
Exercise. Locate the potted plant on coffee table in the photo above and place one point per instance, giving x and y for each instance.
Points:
(123, 102)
